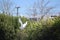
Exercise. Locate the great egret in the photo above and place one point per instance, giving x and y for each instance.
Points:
(22, 25)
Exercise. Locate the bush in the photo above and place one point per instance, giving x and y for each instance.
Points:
(7, 27)
(41, 30)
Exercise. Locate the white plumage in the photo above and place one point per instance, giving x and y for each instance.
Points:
(22, 25)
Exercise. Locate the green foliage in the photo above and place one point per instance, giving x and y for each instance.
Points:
(42, 30)
(7, 26)
(49, 33)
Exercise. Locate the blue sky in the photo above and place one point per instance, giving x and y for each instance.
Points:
(26, 4)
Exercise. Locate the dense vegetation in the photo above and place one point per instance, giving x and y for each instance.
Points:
(42, 30)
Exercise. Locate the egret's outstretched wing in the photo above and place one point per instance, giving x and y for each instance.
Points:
(20, 21)
(25, 24)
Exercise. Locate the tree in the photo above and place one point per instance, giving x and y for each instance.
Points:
(6, 6)
(41, 8)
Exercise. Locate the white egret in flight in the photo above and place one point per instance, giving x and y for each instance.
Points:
(22, 25)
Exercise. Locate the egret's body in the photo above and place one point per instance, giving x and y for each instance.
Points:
(22, 25)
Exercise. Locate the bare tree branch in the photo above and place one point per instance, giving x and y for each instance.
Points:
(6, 6)
(42, 8)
